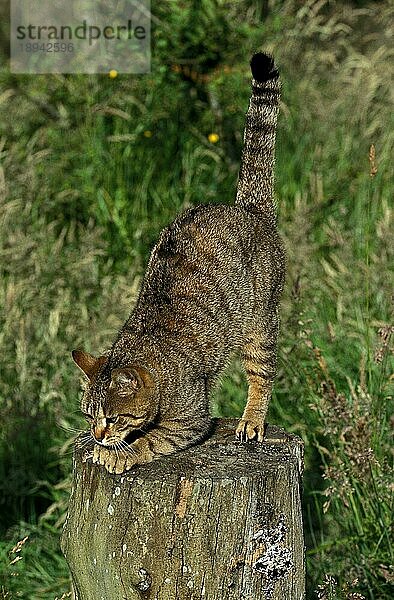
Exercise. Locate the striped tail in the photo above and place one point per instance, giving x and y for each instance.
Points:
(256, 176)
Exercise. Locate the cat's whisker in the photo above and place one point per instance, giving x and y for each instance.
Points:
(86, 443)
(85, 440)
(67, 453)
(116, 450)
(122, 450)
(86, 433)
(124, 445)
(127, 448)
(69, 429)
(77, 438)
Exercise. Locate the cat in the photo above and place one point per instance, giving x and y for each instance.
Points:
(211, 288)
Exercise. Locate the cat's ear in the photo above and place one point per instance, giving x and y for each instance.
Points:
(126, 380)
(87, 363)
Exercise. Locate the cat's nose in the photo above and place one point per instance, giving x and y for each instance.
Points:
(99, 433)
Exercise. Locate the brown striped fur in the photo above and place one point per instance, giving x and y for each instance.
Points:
(211, 289)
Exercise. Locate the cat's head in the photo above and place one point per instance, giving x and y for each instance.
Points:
(117, 402)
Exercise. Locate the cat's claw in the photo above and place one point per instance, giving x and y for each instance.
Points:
(249, 430)
(123, 464)
(105, 457)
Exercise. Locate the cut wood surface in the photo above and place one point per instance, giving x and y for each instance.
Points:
(219, 521)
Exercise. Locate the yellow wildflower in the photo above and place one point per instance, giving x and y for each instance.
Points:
(113, 73)
(213, 138)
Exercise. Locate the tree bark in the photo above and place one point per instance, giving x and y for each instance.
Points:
(219, 521)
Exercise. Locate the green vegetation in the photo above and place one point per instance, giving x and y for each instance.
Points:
(91, 168)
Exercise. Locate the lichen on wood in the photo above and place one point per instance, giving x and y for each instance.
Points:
(219, 521)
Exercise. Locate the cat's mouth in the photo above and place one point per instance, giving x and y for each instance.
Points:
(96, 441)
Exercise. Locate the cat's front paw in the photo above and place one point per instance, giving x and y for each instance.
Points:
(116, 462)
(125, 463)
(105, 457)
(113, 461)
(250, 429)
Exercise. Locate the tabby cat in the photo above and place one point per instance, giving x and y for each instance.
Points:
(211, 288)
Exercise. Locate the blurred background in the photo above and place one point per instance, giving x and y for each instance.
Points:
(92, 168)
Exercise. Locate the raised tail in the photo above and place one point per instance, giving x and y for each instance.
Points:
(256, 176)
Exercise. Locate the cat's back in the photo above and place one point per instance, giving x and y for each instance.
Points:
(213, 247)
(215, 233)
(205, 233)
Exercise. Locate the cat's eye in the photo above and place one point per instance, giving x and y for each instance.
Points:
(111, 420)
(87, 416)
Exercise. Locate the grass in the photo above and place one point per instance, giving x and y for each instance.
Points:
(92, 168)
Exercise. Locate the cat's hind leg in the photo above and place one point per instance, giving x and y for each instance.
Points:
(259, 357)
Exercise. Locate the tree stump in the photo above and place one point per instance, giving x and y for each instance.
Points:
(219, 521)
